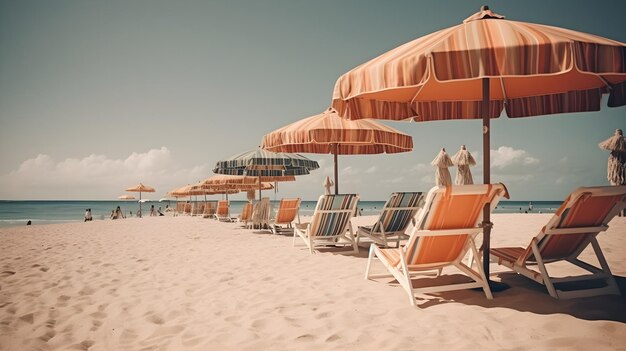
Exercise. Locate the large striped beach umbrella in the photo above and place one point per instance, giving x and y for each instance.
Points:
(267, 166)
(327, 133)
(140, 188)
(479, 68)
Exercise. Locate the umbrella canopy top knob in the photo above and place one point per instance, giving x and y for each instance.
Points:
(484, 13)
(442, 160)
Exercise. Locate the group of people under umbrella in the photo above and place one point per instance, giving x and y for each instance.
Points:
(472, 71)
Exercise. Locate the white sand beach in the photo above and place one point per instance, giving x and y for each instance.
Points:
(187, 283)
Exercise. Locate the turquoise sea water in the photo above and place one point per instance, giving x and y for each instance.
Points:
(15, 213)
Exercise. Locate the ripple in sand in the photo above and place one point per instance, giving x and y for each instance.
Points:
(28, 318)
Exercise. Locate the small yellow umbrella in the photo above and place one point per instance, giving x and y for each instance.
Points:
(141, 188)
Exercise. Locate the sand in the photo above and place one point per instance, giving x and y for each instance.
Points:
(187, 283)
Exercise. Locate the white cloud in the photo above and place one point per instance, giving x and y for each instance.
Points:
(97, 176)
(506, 156)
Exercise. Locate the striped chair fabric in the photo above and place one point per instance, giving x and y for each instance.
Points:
(330, 222)
(394, 219)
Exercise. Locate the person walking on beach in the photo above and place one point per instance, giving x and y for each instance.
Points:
(152, 211)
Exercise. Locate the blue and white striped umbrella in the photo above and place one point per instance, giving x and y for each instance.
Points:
(268, 166)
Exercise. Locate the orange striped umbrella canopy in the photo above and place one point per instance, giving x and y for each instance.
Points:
(533, 70)
(226, 179)
(328, 133)
(479, 68)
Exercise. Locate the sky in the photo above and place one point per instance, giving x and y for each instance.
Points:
(97, 96)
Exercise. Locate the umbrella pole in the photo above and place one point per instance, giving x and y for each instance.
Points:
(336, 172)
(486, 177)
(487, 180)
(260, 185)
(140, 214)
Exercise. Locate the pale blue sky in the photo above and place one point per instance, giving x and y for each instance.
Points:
(96, 96)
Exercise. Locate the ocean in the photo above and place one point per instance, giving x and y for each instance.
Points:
(17, 213)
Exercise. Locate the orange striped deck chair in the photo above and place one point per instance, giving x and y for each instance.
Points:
(288, 210)
(582, 216)
(187, 208)
(330, 222)
(246, 215)
(209, 209)
(399, 211)
(444, 233)
(222, 213)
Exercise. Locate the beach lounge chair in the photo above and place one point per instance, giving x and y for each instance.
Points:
(246, 215)
(209, 209)
(583, 215)
(187, 208)
(330, 222)
(198, 208)
(399, 211)
(288, 210)
(262, 213)
(222, 213)
(445, 231)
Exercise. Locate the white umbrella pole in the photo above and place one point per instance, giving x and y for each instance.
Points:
(260, 185)
(140, 214)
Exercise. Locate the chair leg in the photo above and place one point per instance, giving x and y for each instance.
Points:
(481, 271)
(610, 280)
(369, 260)
(544, 271)
(408, 283)
(294, 238)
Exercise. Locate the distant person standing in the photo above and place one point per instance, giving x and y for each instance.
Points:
(88, 216)
(119, 213)
(152, 211)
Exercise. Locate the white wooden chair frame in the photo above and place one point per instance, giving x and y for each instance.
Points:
(543, 277)
(304, 230)
(403, 272)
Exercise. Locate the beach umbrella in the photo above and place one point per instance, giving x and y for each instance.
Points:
(616, 169)
(327, 184)
(479, 68)
(442, 174)
(266, 165)
(241, 183)
(327, 133)
(126, 197)
(140, 188)
(463, 160)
